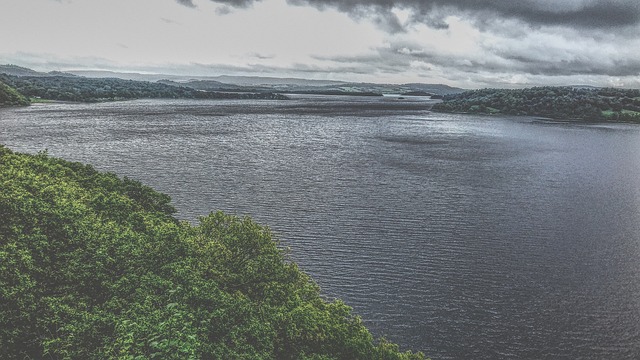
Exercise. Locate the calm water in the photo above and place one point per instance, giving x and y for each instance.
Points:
(466, 237)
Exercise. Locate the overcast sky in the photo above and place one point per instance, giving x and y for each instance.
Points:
(466, 43)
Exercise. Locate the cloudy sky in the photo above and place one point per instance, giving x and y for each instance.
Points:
(466, 43)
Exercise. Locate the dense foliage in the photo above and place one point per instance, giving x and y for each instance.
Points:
(96, 267)
(81, 89)
(590, 104)
(10, 97)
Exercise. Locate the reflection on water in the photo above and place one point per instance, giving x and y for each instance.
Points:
(462, 236)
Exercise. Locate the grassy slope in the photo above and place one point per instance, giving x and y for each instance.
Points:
(10, 97)
(96, 267)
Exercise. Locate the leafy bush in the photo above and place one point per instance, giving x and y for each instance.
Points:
(96, 267)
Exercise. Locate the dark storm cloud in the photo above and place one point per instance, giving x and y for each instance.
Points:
(187, 3)
(231, 3)
(574, 13)
(236, 3)
(602, 14)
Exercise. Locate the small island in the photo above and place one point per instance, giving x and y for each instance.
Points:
(560, 103)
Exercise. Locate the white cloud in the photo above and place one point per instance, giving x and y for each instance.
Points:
(331, 39)
(151, 32)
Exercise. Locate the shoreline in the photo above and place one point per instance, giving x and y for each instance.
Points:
(541, 118)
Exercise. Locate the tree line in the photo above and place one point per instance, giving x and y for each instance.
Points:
(570, 103)
(81, 89)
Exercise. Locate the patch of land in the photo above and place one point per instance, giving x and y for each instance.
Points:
(561, 103)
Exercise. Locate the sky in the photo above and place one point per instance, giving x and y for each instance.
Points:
(464, 43)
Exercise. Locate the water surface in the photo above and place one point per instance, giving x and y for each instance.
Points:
(464, 236)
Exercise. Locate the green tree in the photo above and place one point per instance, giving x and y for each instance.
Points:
(10, 97)
(96, 267)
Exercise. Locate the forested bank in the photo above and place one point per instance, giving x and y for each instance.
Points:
(81, 89)
(563, 103)
(10, 97)
(95, 266)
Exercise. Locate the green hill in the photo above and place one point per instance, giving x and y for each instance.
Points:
(10, 97)
(80, 89)
(93, 266)
(565, 103)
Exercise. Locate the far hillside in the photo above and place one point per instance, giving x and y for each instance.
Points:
(260, 86)
(18, 71)
(562, 103)
(317, 88)
(81, 89)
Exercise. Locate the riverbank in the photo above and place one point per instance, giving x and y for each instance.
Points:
(559, 103)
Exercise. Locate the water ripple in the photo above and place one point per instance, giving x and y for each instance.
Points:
(462, 236)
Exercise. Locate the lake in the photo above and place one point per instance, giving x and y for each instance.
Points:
(466, 237)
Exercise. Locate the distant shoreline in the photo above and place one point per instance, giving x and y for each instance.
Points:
(567, 104)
